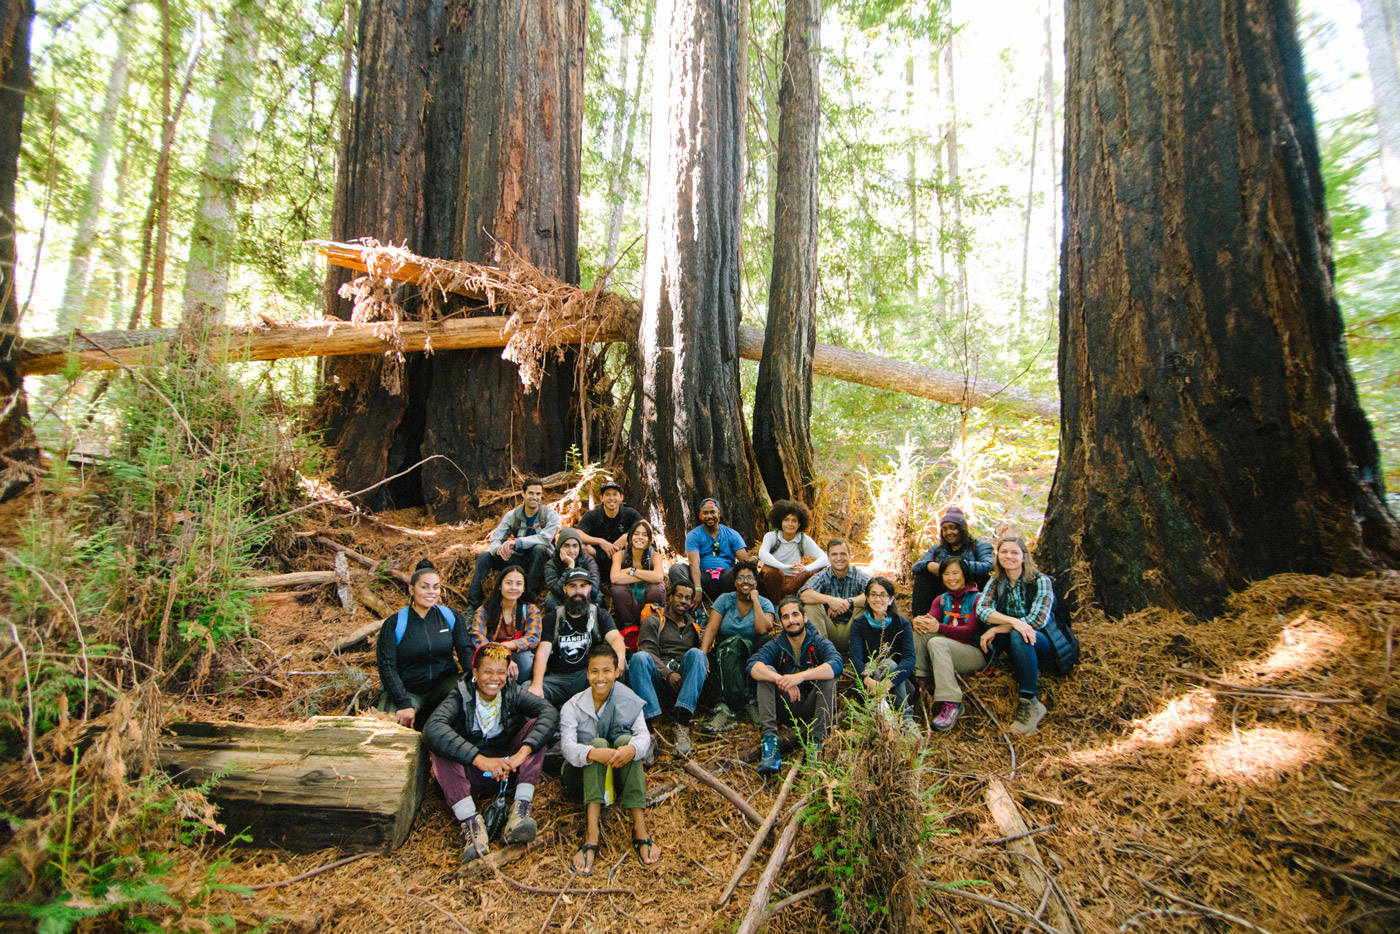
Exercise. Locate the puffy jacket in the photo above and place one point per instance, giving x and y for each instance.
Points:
(451, 730)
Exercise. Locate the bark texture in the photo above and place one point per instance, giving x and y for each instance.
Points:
(1210, 432)
(688, 424)
(467, 132)
(782, 416)
(19, 452)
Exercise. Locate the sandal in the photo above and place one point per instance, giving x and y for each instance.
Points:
(588, 856)
(637, 845)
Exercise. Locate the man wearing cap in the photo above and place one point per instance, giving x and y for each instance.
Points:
(711, 551)
(604, 527)
(561, 659)
(525, 538)
(955, 540)
(568, 554)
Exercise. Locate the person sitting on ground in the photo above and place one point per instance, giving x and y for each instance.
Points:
(603, 727)
(605, 526)
(485, 733)
(785, 550)
(568, 554)
(1014, 608)
(669, 662)
(711, 551)
(882, 646)
(524, 538)
(635, 579)
(954, 540)
(505, 618)
(415, 649)
(738, 620)
(800, 667)
(832, 596)
(946, 642)
(569, 634)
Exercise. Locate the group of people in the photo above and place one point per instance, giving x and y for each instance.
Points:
(777, 633)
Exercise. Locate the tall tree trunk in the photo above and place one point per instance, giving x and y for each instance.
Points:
(624, 139)
(1380, 24)
(74, 304)
(955, 183)
(782, 433)
(688, 424)
(1030, 198)
(1210, 432)
(345, 104)
(19, 452)
(911, 181)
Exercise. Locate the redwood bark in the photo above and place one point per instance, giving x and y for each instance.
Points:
(688, 424)
(1210, 433)
(782, 416)
(19, 451)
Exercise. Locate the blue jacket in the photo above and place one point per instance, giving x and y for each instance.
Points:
(777, 654)
(896, 639)
(979, 560)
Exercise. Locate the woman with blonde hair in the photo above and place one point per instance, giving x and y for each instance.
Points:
(1015, 607)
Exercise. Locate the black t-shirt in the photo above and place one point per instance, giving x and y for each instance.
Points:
(572, 640)
(596, 524)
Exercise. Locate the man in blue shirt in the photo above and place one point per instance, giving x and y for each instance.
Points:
(711, 551)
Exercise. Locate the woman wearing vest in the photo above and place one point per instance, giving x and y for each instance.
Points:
(635, 580)
(415, 649)
(882, 646)
(506, 618)
(785, 549)
(946, 643)
(1014, 608)
(603, 736)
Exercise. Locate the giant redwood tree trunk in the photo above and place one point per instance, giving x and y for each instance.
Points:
(1210, 433)
(467, 133)
(19, 452)
(688, 425)
(782, 414)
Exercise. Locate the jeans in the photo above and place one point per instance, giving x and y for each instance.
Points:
(816, 707)
(1025, 658)
(459, 781)
(531, 560)
(646, 677)
(589, 782)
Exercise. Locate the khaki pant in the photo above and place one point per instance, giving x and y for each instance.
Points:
(838, 633)
(945, 659)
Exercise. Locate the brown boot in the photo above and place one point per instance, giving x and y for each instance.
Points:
(475, 833)
(520, 826)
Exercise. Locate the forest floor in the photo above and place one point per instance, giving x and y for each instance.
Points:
(1181, 781)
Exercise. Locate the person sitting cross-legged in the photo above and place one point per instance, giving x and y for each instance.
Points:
(882, 646)
(738, 621)
(525, 538)
(787, 555)
(801, 668)
(832, 596)
(669, 662)
(636, 581)
(955, 540)
(568, 635)
(604, 728)
(485, 733)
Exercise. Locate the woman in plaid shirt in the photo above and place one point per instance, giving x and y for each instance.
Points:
(1014, 608)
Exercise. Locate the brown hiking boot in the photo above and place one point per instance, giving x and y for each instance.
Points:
(520, 826)
(475, 833)
(683, 741)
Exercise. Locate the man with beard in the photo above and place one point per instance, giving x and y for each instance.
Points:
(955, 541)
(561, 660)
(800, 667)
(711, 551)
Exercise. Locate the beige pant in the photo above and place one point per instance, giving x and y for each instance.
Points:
(945, 659)
(838, 633)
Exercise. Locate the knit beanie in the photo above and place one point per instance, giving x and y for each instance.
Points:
(954, 515)
(566, 534)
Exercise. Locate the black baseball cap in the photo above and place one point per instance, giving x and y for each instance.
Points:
(610, 485)
(578, 574)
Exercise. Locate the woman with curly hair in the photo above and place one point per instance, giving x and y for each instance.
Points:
(785, 551)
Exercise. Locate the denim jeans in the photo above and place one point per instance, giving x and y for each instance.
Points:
(646, 678)
(1025, 658)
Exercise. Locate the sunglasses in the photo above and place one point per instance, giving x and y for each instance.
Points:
(715, 546)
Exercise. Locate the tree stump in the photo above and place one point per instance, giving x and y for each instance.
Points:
(348, 782)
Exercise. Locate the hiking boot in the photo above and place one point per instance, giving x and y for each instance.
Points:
(650, 757)
(1028, 716)
(752, 710)
(475, 833)
(947, 715)
(520, 826)
(772, 759)
(683, 741)
(721, 721)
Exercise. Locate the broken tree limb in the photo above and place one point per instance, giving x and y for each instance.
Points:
(729, 794)
(1013, 827)
(759, 903)
(296, 579)
(759, 837)
(357, 636)
(368, 562)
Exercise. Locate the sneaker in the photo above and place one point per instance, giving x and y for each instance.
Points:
(650, 757)
(683, 741)
(772, 759)
(752, 710)
(721, 721)
(947, 715)
(1029, 713)
(520, 826)
(475, 833)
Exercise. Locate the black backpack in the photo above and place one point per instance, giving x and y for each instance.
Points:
(1064, 644)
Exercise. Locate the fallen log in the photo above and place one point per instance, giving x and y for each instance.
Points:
(1021, 842)
(729, 794)
(759, 902)
(349, 782)
(759, 837)
(296, 579)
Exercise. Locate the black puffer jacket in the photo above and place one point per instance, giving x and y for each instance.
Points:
(451, 731)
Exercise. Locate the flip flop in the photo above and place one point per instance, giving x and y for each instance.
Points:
(637, 845)
(584, 848)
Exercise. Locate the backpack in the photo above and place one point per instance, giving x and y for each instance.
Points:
(401, 621)
(1064, 644)
(648, 611)
(592, 627)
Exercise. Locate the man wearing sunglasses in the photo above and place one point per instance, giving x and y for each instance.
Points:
(711, 551)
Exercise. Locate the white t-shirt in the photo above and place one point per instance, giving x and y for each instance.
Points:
(781, 553)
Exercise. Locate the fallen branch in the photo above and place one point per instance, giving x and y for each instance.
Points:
(295, 579)
(729, 794)
(309, 873)
(444, 912)
(759, 837)
(368, 562)
(1349, 879)
(793, 900)
(358, 636)
(1033, 874)
(1021, 835)
(757, 905)
(1016, 910)
(1247, 690)
(1203, 909)
(542, 891)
